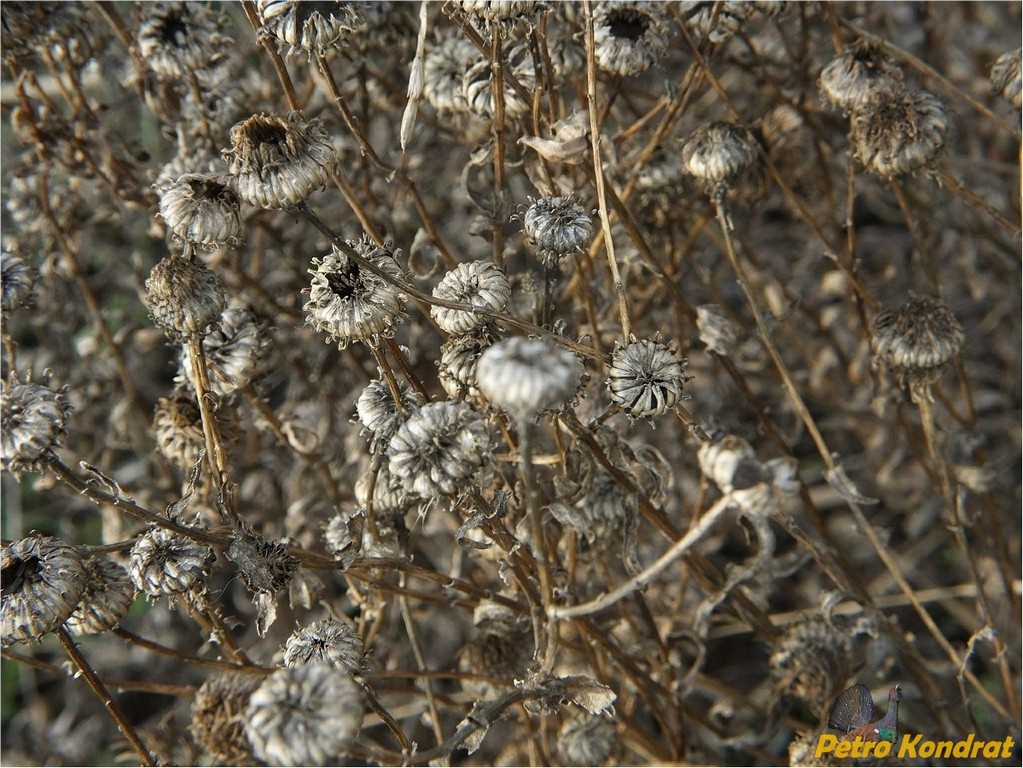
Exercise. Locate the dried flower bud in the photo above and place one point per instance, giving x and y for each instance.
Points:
(628, 37)
(184, 297)
(444, 67)
(528, 376)
(646, 377)
(305, 715)
(916, 341)
(1005, 77)
(43, 579)
(587, 740)
(441, 449)
(32, 419)
(718, 154)
(17, 281)
(202, 211)
(349, 302)
(217, 711)
(717, 331)
(899, 133)
(177, 427)
(379, 414)
(326, 642)
(456, 368)
(167, 563)
(177, 39)
(479, 283)
(278, 161)
(107, 596)
(315, 28)
(235, 347)
(862, 70)
(557, 226)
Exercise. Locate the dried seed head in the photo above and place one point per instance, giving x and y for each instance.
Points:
(803, 751)
(326, 642)
(899, 133)
(107, 596)
(717, 331)
(235, 348)
(718, 154)
(715, 21)
(810, 659)
(166, 563)
(646, 377)
(43, 580)
(457, 366)
(305, 715)
(278, 161)
(444, 67)
(177, 39)
(202, 211)
(587, 740)
(177, 427)
(528, 376)
(628, 37)
(349, 302)
(730, 463)
(441, 449)
(916, 341)
(862, 70)
(217, 711)
(184, 297)
(478, 85)
(502, 652)
(17, 281)
(315, 28)
(378, 413)
(1005, 78)
(491, 11)
(479, 283)
(556, 227)
(266, 566)
(32, 419)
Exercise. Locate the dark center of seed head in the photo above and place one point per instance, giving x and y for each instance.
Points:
(345, 282)
(304, 11)
(628, 24)
(16, 573)
(173, 30)
(264, 132)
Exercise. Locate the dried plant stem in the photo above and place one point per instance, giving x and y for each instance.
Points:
(278, 63)
(598, 174)
(641, 579)
(417, 652)
(207, 399)
(500, 181)
(916, 232)
(188, 658)
(198, 603)
(103, 694)
(971, 197)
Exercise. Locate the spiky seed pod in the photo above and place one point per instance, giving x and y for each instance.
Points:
(177, 39)
(916, 340)
(1005, 77)
(217, 711)
(853, 77)
(304, 715)
(202, 211)
(348, 302)
(177, 427)
(235, 348)
(32, 421)
(314, 28)
(556, 227)
(528, 376)
(646, 377)
(717, 331)
(628, 37)
(810, 659)
(108, 594)
(266, 566)
(459, 356)
(478, 283)
(378, 413)
(166, 563)
(587, 740)
(444, 68)
(899, 133)
(326, 641)
(185, 298)
(718, 154)
(478, 86)
(441, 449)
(17, 281)
(43, 580)
(279, 160)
